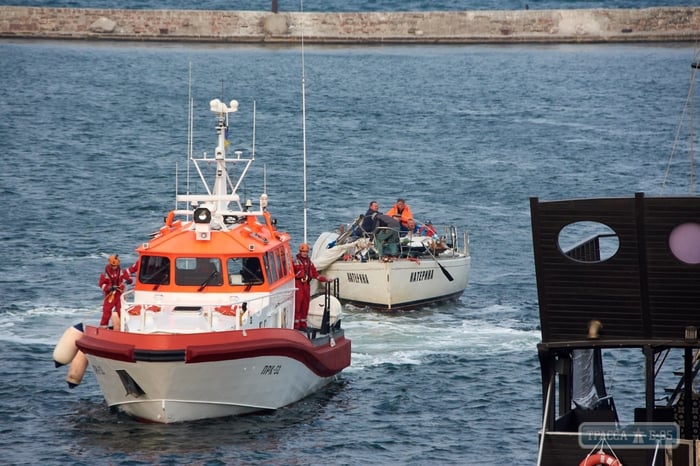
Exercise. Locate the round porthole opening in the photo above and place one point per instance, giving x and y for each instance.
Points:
(588, 241)
(684, 242)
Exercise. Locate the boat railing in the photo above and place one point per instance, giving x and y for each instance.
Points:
(389, 242)
(451, 239)
(386, 241)
(588, 250)
(268, 310)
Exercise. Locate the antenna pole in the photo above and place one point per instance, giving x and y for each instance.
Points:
(254, 119)
(303, 110)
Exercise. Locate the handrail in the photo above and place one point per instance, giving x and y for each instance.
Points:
(545, 416)
(264, 307)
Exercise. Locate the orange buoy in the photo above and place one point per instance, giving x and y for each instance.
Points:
(137, 308)
(65, 349)
(600, 459)
(77, 369)
(227, 310)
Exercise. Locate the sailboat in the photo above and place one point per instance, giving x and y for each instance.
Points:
(391, 270)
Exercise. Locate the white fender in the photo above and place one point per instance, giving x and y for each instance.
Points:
(65, 349)
(116, 321)
(315, 317)
(77, 369)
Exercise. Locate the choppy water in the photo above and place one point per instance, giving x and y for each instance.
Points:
(90, 136)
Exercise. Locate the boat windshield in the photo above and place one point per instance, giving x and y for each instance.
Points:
(154, 270)
(199, 271)
(244, 271)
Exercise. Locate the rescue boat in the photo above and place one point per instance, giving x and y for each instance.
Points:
(208, 329)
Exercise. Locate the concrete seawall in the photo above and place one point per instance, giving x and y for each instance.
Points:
(558, 26)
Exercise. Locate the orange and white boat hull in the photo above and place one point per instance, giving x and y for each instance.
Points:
(176, 378)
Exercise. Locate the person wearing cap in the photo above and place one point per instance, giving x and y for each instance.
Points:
(112, 284)
(304, 272)
(412, 228)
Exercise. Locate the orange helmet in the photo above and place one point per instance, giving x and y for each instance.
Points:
(113, 260)
(303, 247)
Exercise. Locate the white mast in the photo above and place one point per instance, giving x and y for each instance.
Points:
(303, 109)
(220, 186)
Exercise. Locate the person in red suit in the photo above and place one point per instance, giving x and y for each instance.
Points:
(304, 272)
(112, 284)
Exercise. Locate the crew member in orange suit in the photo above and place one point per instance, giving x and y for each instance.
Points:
(401, 212)
(112, 284)
(304, 272)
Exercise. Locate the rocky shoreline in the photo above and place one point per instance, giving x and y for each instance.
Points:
(664, 24)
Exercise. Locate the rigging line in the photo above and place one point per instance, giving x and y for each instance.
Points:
(303, 108)
(686, 107)
(691, 154)
(190, 132)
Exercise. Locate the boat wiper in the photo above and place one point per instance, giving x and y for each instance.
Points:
(206, 282)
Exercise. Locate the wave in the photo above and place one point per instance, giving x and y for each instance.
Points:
(414, 337)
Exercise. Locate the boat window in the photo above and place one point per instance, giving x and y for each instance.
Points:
(281, 262)
(154, 270)
(270, 266)
(266, 260)
(244, 271)
(588, 241)
(684, 242)
(198, 271)
(278, 263)
(287, 262)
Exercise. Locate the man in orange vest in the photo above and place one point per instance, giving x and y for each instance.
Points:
(401, 212)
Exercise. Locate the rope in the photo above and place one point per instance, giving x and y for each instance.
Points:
(688, 105)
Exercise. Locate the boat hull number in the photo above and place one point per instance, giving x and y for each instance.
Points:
(271, 369)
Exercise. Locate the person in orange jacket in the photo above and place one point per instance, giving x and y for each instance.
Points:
(112, 284)
(304, 272)
(401, 212)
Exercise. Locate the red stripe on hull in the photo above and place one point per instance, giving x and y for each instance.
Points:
(324, 360)
(106, 349)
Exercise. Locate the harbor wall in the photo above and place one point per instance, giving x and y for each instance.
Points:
(661, 24)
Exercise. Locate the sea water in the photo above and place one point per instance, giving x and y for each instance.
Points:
(93, 136)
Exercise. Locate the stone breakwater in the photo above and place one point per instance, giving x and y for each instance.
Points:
(455, 27)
